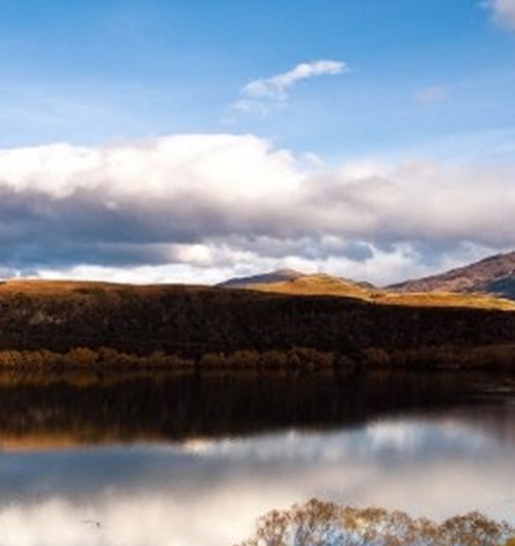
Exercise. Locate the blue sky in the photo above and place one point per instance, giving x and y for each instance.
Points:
(411, 81)
(94, 72)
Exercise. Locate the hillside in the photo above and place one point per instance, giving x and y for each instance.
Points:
(326, 285)
(192, 321)
(280, 275)
(301, 284)
(494, 275)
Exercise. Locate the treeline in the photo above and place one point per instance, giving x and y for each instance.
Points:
(85, 357)
(490, 357)
(295, 359)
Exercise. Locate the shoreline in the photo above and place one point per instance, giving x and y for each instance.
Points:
(489, 358)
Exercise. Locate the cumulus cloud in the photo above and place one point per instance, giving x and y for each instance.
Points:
(259, 95)
(204, 207)
(503, 12)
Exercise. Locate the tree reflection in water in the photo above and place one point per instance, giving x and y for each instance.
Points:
(85, 408)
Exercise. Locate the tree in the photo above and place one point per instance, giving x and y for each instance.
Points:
(318, 523)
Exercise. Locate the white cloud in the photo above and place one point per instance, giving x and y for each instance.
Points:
(199, 208)
(216, 164)
(276, 87)
(259, 95)
(503, 12)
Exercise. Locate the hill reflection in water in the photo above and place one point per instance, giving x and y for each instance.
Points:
(194, 460)
(84, 408)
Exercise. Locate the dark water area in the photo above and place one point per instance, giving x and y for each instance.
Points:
(84, 407)
(161, 459)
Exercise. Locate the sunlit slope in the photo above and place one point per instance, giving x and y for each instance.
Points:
(325, 285)
(494, 276)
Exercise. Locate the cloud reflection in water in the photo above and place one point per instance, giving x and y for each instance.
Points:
(210, 492)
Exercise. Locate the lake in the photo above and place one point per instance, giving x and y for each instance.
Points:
(92, 458)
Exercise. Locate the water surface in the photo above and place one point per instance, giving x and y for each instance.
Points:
(193, 460)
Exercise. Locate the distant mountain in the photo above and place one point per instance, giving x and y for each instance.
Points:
(289, 281)
(280, 275)
(320, 284)
(293, 283)
(494, 275)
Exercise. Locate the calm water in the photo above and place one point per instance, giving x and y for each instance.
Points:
(193, 460)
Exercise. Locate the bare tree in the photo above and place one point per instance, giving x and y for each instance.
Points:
(318, 523)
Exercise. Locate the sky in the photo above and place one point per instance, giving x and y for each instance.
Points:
(192, 141)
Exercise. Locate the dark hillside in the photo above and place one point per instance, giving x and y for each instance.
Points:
(191, 321)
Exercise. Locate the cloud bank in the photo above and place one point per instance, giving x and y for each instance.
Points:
(261, 94)
(201, 207)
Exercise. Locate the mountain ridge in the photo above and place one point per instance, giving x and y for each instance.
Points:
(294, 283)
(490, 277)
(494, 275)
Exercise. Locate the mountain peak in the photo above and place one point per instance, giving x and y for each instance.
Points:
(279, 275)
(288, 281)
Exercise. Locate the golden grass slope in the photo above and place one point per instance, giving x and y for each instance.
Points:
(304, 285)
(325, 285)
(41, 287)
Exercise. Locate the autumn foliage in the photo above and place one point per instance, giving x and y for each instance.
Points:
(318, 523)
